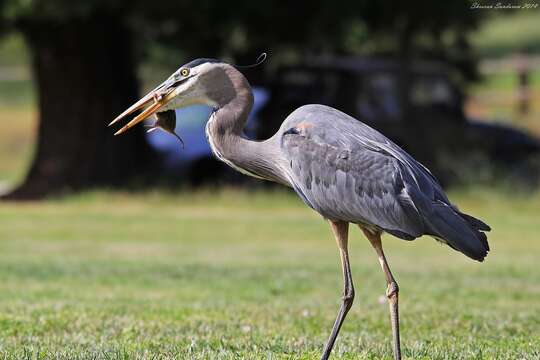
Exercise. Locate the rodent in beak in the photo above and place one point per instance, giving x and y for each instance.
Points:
(166, 121)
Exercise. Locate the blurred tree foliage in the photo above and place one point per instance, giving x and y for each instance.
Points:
(85, 54)
(294, 29)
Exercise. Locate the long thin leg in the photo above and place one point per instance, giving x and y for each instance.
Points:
(341, 233)
(392, 289)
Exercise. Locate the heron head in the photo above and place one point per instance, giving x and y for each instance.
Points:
(202, 81)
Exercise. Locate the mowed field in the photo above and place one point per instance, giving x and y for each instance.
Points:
(253, 275)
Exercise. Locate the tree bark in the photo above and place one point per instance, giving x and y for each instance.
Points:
(85, 76)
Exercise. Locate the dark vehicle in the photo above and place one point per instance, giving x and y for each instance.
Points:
(416, 106)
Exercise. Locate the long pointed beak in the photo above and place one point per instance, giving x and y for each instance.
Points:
(157, 98)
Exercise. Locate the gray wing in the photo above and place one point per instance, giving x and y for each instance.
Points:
(348, 171)
(340, 168)
(335, 128)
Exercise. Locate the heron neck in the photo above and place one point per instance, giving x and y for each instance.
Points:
(225, 132)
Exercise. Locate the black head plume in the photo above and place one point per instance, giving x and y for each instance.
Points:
(262, 58)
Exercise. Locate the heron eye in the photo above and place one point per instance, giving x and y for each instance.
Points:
(184, 72)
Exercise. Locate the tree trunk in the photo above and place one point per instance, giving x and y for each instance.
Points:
(85, 76)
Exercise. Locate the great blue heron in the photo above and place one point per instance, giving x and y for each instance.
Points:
(340, 167)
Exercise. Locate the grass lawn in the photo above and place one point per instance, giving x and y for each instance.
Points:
(17, 133)
(501, 35)
(238, 275)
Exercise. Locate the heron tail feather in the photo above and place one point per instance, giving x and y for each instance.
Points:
(461, 232)
(474, 222)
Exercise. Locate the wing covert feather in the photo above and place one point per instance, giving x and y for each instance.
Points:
(351, 183)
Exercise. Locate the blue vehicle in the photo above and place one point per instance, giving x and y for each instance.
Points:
(194, 161)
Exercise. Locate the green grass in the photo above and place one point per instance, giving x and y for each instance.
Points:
(504, 81)
(496, 99)
(17, 93)
(16, 142)
(236, 275)
(13, 51)
(507, 33)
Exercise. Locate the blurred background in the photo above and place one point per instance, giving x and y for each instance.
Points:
(114, 245)
(452, 84)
